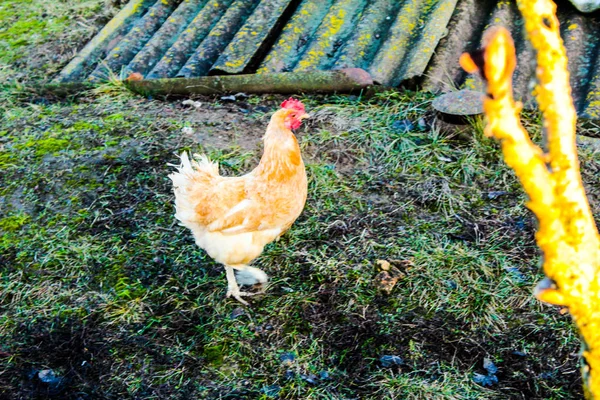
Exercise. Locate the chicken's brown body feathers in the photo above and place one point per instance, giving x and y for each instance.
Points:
(233, 218)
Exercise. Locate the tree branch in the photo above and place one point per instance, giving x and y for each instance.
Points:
(567, 232)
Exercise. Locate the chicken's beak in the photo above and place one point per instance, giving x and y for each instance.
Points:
(304, 116)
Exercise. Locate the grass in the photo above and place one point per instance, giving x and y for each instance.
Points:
(100, 285)
(96, 269)
(37, 38)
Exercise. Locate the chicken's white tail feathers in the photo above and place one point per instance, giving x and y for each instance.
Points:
(185, 165)
(250, 276)
(201, 162)
(188, 168)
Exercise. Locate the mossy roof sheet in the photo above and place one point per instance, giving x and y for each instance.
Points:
(396, 41)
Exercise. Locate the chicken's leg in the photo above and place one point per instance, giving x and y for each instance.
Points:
(233, 288)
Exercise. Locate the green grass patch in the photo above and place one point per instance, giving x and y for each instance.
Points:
(37, 38)
(96, 269)
(14, 222)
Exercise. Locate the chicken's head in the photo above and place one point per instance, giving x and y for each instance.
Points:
(295, 113)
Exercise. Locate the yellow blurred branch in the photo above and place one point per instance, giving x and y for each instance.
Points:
(567, 232)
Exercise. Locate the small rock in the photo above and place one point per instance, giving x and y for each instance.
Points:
(489, 365)
(516, 274)
(384, 265)
(324, 375)
(462, 102)
(389, 275)
(403, 125)
(496, 194)
(485, 380)
(229, 98)
(53, 383)
(187, 130)
(312, 379)
(389, 361)
(263, 109)
(158, 260)
(287, 358)
(520, 223)
(243, 110)
(586, 5)
(195, 104)
(237, 312)
(289, 374)
(241, 95)
(519, 353)
(48, 376)
(385, 281)
(451, 284)
(422, 125)
(271, 391)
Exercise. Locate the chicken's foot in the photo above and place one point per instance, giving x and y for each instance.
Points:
(233, 289)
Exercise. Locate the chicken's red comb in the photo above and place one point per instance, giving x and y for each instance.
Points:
(293, 104)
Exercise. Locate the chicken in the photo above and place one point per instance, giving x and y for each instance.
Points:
(234, 218)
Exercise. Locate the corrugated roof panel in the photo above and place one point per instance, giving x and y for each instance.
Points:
(591, 103)
(581, 36)
(250, 42)
(185, 44)
(411, 40)
(95, 50)
(217, 40)
(295, 36)
(138, 36)
(166, 36)
(394, 40)
(358, 51)
(335, 28)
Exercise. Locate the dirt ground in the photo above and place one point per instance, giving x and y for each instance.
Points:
(105, 290)
(104, 296)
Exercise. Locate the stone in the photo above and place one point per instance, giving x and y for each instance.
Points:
(460, 103)
(586, 5)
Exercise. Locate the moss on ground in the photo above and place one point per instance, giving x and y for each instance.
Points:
(38, 37)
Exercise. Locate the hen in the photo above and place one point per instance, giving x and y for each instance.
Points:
(234, 218)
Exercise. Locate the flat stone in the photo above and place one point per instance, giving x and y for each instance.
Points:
(388, 361)
(462, 102)
(586, 5)
(287, 358)
(47, 376)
